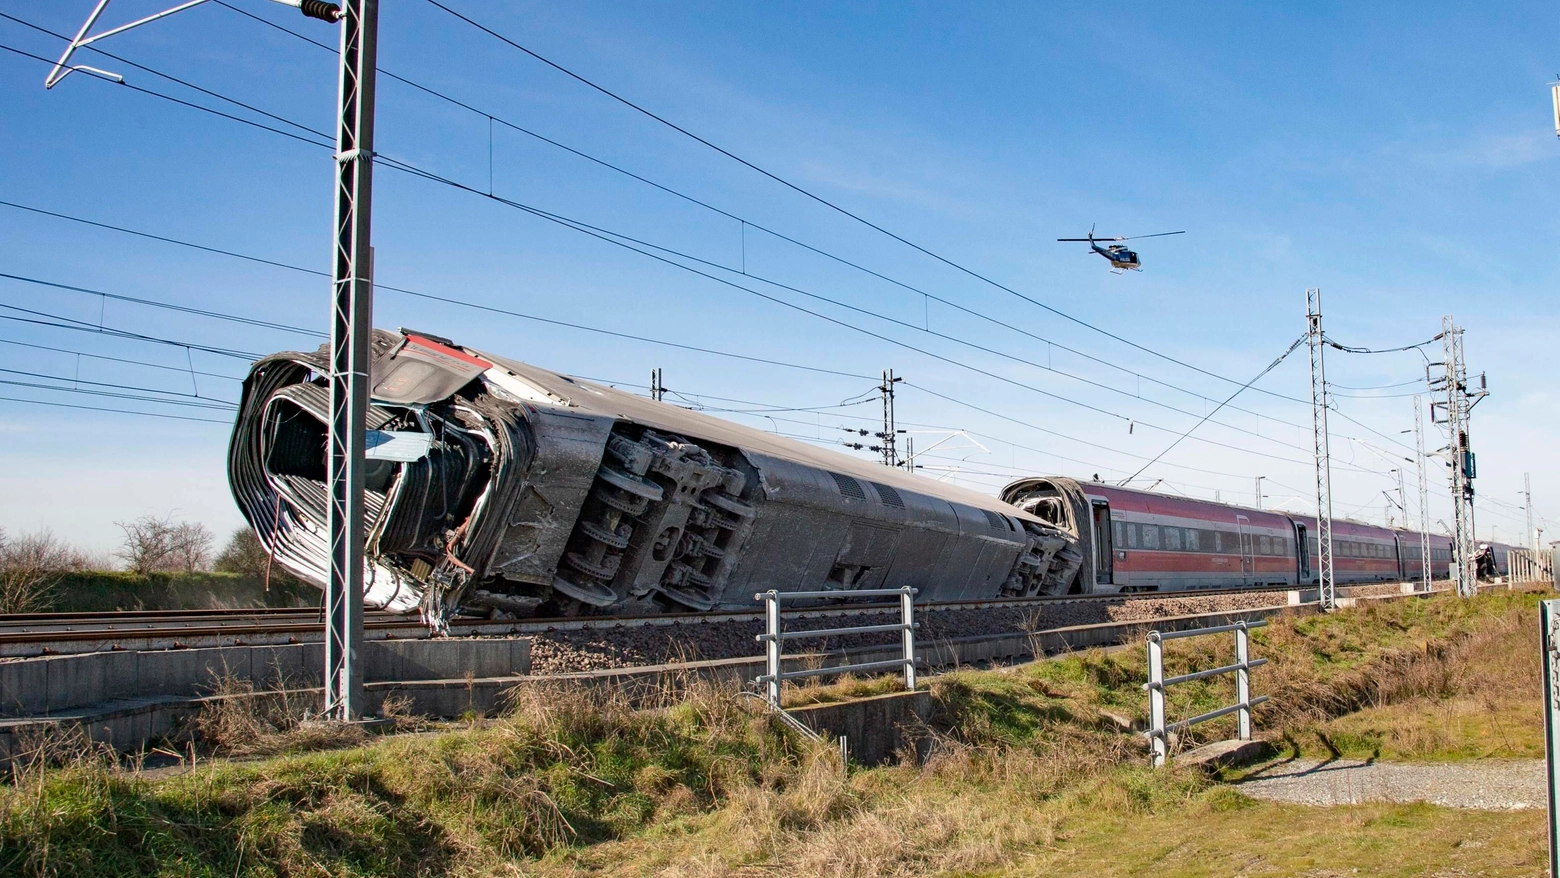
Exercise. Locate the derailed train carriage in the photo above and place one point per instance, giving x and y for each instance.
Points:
(496, 487)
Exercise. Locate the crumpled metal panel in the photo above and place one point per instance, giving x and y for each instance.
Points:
(544, 494)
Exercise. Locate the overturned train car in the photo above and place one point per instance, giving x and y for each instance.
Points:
(496, 487)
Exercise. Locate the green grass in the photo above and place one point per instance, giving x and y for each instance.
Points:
(1031, 773)
(107, 590)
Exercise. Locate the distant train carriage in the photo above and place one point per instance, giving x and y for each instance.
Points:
(1138, 540)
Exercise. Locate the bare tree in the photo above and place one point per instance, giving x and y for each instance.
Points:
(191, 547)
(156, 544)
(149, 543)
(30, 568)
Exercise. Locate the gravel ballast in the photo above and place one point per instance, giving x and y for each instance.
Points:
(563, 651)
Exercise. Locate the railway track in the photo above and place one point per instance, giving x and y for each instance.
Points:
(25, 635)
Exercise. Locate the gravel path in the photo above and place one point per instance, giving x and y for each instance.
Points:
(1487, 785)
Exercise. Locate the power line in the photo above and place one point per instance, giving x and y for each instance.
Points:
(213, 403)
(749, 223)
(832, 206)
(88, 392)
(1270, 367)
(622, 241)
(180, 369)
(93, 408)
(216, 315)
(619, 239)
(612, 237)
(100, 329)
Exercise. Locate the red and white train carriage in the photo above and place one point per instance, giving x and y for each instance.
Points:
(1146, 541)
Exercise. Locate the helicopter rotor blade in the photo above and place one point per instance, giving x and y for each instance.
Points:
(1080, 240)
(1155, 235)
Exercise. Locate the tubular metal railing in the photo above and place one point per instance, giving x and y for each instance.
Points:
(1158, 732)
(774, 637)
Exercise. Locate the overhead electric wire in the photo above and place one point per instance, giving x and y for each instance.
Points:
(214, 403)
(1270, 367)
(831, 205)
(1331, 386)
(613, 237)
(1356, 350)
(180, 369)
(82, 390)
(94, 408)
(216, 315)
(606, 237)
(101, 329)
(1006, 324)
(619, 240)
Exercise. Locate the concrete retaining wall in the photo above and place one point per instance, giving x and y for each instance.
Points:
(874, 728)
(41, 687)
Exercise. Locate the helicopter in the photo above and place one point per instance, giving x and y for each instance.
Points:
(1121, 259)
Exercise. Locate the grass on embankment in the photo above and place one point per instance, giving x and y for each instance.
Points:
(1029, 775)
(96, 591)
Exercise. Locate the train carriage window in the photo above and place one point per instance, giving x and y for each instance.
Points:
(1264, 545)
(1132, 537)
(1120, 534)
(1150, 536)
(1193, 540)
(1218, 541)
(1173, 538)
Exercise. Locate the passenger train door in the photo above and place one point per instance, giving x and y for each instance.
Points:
(1303, 551)
(1246, 561)
(1104, 550)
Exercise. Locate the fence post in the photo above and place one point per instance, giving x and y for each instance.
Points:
(1156, 699)
(772, 645)
(1243, 680)
(907, 616)
(1549, 640)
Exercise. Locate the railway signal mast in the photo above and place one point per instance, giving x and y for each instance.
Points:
(1453, 413)
(1324, 548)
(352, 302)
(889, 448)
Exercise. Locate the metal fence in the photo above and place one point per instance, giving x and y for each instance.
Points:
(1531, 566)
(1158, 732)
(774, 637)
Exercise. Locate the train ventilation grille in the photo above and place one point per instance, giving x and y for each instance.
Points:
(849, 487)
(996, 520)
(889, 496)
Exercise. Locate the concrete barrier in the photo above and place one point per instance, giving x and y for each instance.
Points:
(874, 728)
(43, 687)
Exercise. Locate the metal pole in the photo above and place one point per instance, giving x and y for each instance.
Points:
(1324, 548)
(1424, 494)
(1549, 637)
(1465, 566)
(1527, 509)
(1243, 680)
(772, 645)
(1259, 492)
(351, 326)
(1156, 699)
(907, 617)
(890, 430)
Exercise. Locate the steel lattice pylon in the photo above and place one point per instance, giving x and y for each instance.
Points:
(351, 324)
(1324, 549)
(1455, 383)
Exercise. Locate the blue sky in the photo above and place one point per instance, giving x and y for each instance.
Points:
(1400, 157)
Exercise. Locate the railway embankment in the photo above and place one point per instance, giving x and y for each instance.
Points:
(1027, 769)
